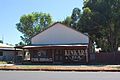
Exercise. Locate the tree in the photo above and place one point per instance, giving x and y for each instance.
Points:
(75, 18)
(72, 21)
(100, 19)
(67, 21)
(20, 44)
(32, 24)
(1, 41)
(88, 24)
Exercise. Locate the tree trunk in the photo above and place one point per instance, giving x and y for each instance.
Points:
(91, 46)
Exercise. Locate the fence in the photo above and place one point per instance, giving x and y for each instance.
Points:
(105, 58)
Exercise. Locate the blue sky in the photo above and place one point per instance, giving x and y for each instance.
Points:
(12, 10)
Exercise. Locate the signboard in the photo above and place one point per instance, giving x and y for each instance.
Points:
(75, 55)
(42, 59)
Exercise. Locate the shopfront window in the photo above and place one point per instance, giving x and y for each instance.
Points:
(1, 53)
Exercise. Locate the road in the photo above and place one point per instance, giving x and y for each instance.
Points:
(42, 75)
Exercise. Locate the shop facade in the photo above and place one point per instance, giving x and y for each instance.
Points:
(58, 44)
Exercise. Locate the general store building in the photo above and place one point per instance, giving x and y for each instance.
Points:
(58, 44)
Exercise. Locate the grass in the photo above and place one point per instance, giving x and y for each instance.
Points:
(3, 62)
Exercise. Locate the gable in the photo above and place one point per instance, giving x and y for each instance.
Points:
(60, 34)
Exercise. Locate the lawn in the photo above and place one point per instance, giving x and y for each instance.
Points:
(3, 62)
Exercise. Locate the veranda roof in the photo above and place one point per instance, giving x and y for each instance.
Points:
(5, 45)
(54, 46)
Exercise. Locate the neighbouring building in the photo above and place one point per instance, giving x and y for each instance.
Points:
(58, 44)
(7, 52)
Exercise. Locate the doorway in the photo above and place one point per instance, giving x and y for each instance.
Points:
(58, 56)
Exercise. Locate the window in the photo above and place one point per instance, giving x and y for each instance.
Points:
(1, 53)
(42, 53)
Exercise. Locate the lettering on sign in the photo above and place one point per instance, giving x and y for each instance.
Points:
(41, 59)
(75, 55)
(34, 59)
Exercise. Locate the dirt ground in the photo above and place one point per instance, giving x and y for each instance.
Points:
(63, 68)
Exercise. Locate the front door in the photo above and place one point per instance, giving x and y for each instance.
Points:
(58, 56)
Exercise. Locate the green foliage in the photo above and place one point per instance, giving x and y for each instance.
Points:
(67, 21)
(75, 18)
(72, 21)
(101, 20)
(31, 24)
(20, 44)
(1, 41)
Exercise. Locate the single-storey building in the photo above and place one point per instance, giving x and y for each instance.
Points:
(58, 44)
(7, 52)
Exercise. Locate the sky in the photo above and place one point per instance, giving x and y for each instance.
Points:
(12, 10)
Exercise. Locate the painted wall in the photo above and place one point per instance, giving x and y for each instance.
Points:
(59, 34)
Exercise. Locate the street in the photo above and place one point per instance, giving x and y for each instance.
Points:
(44, 75)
